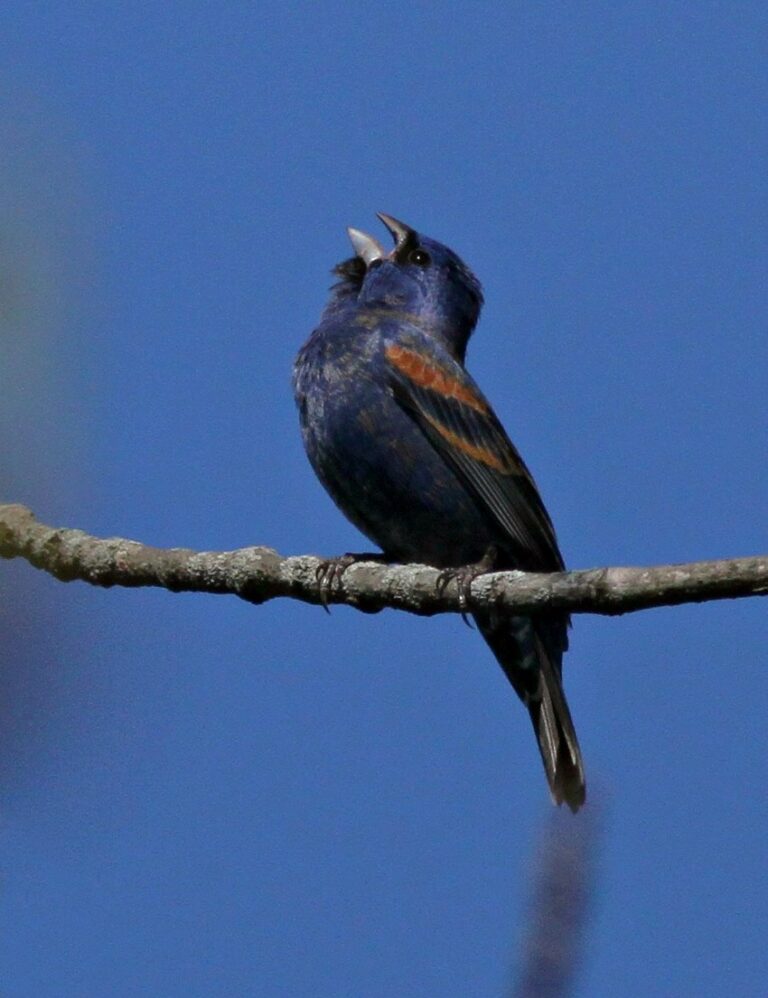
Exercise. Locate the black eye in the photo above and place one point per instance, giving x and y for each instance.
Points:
(420, 257)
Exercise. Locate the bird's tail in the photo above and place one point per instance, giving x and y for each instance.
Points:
(529, 652)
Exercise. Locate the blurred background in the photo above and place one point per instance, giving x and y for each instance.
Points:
(201, 797)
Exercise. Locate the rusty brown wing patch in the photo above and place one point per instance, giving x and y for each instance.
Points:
(424, 373)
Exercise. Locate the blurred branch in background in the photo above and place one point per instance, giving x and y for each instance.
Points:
(258, 574)
(562, 891)
(43, 230)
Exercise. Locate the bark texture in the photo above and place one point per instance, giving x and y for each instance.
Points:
(258, 574)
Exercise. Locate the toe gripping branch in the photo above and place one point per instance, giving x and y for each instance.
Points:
(464, 576)
(330, 572)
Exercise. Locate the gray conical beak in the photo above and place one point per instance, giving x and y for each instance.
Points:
(403, 233)
(366, 247)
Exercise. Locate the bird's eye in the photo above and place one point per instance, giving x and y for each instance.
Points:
(420, 257)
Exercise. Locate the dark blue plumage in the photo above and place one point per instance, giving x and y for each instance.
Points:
(411, 451)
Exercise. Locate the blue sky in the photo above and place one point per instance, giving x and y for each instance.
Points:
(202, 797)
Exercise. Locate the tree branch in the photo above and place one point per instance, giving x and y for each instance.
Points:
(258, 574)
(564, 887)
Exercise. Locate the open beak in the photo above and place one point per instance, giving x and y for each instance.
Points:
(370, 250)
(366, 247)
(403, 234)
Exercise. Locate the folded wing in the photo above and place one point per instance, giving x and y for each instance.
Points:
(451, 411)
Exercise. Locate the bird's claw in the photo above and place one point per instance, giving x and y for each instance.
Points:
(464, 576)
(330, 572)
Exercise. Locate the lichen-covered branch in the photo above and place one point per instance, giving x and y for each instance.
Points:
(258, 574)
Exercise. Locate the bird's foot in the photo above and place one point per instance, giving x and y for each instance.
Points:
(464, 576)
(330, 572)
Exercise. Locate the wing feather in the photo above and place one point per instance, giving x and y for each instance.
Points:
(460, 424)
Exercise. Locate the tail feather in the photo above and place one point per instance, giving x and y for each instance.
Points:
(556, 737)
(527, 652)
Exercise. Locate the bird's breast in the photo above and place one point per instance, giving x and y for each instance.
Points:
(378, 466)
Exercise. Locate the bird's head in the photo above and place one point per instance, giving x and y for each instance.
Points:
(419, 277)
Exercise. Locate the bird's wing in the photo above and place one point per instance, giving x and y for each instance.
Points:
(459, 423)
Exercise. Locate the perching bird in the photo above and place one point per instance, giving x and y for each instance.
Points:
(411, 451)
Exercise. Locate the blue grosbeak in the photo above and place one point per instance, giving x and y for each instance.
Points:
(411, 451)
